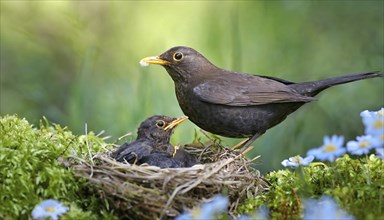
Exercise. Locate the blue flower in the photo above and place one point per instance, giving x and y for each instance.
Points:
(49, 208)
(218, 204)
(261, 213)
(362, 146)
(296, 161)
(324, 208)
(374, 124)
(380, 153)
(378, 141)
(330, 150)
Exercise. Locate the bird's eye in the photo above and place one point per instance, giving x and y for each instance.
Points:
(178, 56)
(160, 124)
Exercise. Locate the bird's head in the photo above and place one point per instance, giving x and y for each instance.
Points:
(182, 63)
(159, 128)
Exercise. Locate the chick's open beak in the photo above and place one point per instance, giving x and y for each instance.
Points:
(176, 122)
(153, 60)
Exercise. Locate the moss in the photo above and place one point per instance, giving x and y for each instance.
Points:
(31, 168)
(353, 182)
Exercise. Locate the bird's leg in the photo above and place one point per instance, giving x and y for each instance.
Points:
(246, 150)
(250, 141)
(239, 144)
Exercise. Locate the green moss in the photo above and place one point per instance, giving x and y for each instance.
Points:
(31, 169)
(353, 183)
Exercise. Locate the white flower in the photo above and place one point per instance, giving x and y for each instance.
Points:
(380, 153)
(366, 114)
(378, 141)
(330, 150)
(324, 208)
(218, 204)
(362, 146)
(296, 161)
(374, 122)
(49, 208)
(261, 213)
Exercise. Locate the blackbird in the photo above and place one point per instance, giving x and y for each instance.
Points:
(234, 104)
(186, 159)
(181, 158)
(153, 136)
(160, 159)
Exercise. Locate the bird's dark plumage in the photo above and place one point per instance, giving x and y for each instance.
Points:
(235, 104)
(153, 135)
(181, 158)
(186, 159)
(161, 159)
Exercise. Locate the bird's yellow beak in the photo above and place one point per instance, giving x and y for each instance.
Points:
(153, 60)
(176, 122)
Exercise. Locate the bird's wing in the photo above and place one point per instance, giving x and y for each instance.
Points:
(133, 151)
(247, 91)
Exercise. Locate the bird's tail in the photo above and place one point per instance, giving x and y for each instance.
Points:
(314, 87)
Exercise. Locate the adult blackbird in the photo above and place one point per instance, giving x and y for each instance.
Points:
(153, 136)
(234, 104)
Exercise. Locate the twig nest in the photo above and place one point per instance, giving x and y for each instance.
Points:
(148, 192)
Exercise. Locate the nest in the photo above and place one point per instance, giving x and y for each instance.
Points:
(149, 192)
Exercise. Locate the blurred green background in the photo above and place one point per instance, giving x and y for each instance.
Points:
(77, 62)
